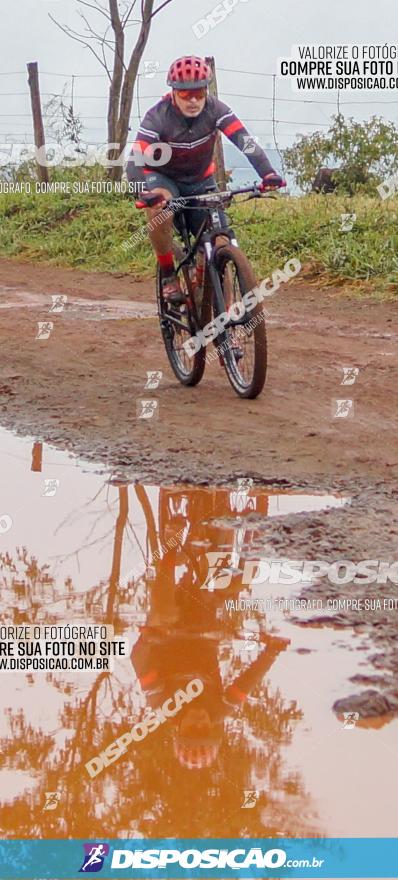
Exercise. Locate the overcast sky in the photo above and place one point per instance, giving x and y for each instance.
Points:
(250, 39)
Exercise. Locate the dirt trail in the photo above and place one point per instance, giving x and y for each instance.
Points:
(288, 433)
(79, 389)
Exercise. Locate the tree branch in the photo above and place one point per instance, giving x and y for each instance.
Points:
(127, 16)
(70, 33)
(96, 8)
(162, 5)
(101, 39)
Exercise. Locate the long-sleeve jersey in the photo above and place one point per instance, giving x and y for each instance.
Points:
(170, 662)
(192, 141)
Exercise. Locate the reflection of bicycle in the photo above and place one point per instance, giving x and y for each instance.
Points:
(214, 279)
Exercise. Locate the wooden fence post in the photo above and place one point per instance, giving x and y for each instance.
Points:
(219, 152)
(38, 126)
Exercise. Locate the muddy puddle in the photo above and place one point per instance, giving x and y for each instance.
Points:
(259, 753)
(92, 310)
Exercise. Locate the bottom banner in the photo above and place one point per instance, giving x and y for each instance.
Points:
(246, 858)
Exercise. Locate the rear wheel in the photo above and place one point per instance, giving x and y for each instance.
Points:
(188, 369)
(244, 345)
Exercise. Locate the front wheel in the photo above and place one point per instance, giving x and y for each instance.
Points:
(177, 325)
(243, 344)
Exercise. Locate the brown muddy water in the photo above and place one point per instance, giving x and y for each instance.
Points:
(78, 546)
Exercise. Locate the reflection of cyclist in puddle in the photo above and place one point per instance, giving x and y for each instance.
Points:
(202, 519)
(180, 641)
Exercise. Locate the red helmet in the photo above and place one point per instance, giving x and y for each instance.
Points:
(189, 72)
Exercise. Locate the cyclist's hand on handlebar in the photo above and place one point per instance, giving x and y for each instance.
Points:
(272, 181)
(150, 200)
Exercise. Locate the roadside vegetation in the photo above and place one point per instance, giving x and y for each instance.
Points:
(94, 232)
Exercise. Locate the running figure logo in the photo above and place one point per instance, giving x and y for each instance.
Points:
(343, 409)
(44, 330)
(52, 800)
(250, 142)
(250, 800)
(350, 719)
(153, 378)
(219, 575)
(50, 487)
(349, 375)
(147, 408)
(94, 856)
(59, 300)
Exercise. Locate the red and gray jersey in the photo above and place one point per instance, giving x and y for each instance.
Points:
(192, 141)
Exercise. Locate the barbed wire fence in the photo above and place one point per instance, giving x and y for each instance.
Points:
(16, 127)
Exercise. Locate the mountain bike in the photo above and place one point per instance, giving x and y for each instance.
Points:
(214, 278)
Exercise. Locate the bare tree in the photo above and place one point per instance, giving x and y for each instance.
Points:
(109, 48)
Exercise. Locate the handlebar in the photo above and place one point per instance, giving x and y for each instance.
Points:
(209, 200)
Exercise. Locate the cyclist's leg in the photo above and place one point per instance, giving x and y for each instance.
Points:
(160, 222)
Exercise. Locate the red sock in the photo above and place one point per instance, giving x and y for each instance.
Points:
(166, 262)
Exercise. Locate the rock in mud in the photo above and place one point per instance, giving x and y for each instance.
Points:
(368, 704)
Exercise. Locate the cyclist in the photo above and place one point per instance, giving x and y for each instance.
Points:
(187, 119)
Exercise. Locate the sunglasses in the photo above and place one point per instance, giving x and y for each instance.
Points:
(185, 94)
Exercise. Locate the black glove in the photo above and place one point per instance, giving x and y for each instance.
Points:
(272, 181)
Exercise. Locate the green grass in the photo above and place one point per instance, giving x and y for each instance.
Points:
(88, 231)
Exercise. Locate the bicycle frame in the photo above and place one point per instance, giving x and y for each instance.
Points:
(206, 236)
(206, 239)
